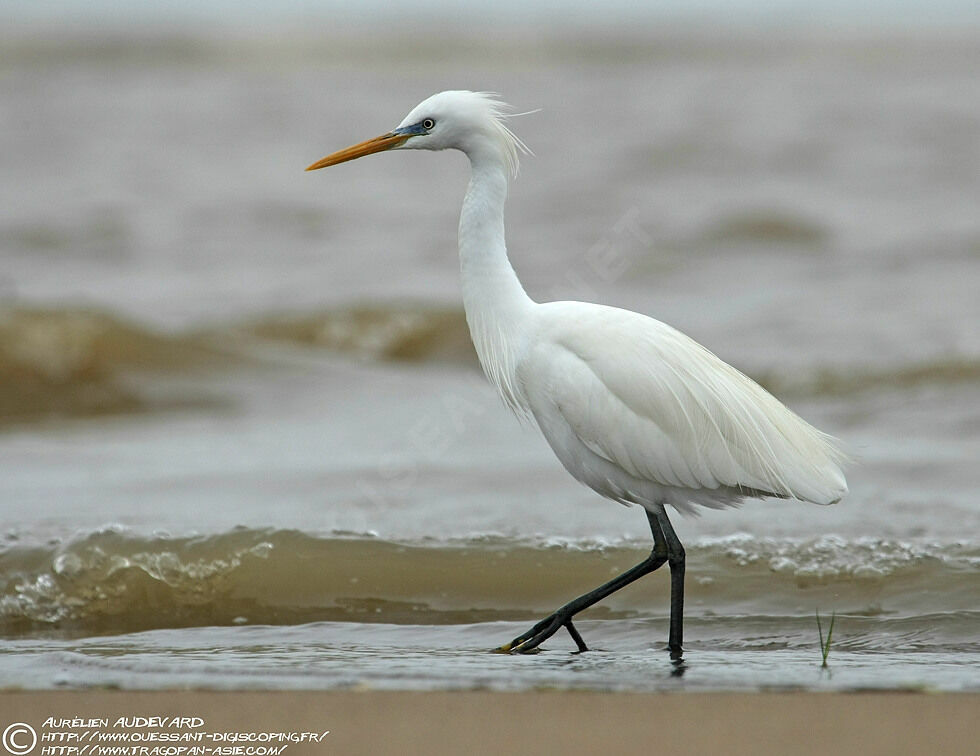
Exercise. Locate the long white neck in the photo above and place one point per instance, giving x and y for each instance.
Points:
(495, 302)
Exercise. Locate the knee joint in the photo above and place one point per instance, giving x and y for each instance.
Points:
(677, 556)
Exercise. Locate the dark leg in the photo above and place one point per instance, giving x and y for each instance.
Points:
(676, 560)
(547, 627)
(576, 637)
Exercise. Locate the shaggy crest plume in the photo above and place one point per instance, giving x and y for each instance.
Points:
(498, 112)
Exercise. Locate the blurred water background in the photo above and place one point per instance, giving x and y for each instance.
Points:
(244, 440)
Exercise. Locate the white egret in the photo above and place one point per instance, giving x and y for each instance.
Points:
(634, 409)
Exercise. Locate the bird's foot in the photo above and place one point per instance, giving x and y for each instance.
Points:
(528, 642)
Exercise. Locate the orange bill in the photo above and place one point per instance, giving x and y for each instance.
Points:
(378, 144)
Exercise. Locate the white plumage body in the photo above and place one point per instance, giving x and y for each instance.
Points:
(642, 414)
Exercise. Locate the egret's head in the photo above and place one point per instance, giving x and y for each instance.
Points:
(469, 121)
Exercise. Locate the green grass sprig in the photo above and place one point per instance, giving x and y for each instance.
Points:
(825, 645)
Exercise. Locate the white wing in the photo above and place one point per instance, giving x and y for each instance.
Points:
(663, 409)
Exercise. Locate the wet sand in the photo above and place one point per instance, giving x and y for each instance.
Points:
(372, 722)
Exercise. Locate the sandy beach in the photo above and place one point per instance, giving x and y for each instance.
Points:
(372, 722)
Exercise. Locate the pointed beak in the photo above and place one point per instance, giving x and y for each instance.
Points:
(378, 144)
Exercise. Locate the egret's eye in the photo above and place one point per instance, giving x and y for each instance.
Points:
(428, 124)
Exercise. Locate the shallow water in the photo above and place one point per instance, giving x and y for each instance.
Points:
(243, 438)
(778, 653)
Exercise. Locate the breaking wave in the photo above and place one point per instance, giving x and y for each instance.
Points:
(77, 362)
(114, 581)
(411, 333)
(69, 362)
